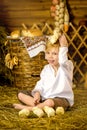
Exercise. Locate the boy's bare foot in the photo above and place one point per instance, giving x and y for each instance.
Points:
(20, 106)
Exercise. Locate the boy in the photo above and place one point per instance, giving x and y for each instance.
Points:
(54, 88)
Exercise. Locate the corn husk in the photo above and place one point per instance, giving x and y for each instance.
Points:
(66, 20)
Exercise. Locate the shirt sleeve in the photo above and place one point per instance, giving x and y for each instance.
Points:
(63, 55)
(65, 63)
(40, 83)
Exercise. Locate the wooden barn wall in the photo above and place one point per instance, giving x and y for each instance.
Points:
(15, 12)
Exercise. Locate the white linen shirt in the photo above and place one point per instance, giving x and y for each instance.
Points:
(51, 86)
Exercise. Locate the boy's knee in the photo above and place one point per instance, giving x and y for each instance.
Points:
(20, 95)
(49, 102)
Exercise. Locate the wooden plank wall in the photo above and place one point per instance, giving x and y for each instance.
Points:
(15, 12)
(78, 11)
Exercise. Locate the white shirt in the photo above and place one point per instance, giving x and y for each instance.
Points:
(51, 86)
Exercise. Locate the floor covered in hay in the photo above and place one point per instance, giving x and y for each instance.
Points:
(74, 119)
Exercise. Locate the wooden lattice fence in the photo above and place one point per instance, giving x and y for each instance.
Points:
(27, 72)
(77, 38)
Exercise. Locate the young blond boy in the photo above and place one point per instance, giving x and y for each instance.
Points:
(54, 88)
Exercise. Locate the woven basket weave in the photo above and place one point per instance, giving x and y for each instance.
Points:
(26, 73)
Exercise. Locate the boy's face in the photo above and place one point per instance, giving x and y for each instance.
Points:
(51, 56)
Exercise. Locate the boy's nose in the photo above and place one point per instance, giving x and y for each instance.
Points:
(50, 55)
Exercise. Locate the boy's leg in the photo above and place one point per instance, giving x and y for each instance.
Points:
(61, 102)
(55, 102)
(48, 102)
(26, 99)
(20, 106)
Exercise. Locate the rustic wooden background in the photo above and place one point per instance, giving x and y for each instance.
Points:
(15, 12)
(28, 69)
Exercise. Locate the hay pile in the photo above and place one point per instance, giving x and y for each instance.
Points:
(74, 119)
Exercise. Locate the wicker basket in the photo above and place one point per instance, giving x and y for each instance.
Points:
(26, 73)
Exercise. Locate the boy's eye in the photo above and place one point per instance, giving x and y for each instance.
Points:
(47, 52)
(54, 53)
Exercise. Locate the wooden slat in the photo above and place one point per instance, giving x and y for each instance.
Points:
(79, 12)
(10, 4)
(77, 2)
(29, 11)
(24, 14)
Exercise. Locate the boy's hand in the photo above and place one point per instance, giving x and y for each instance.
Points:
(63, 41)
(36, 98)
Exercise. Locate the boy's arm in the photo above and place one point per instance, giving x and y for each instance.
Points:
(63, 58)
(63, 41)
(36, 97)
(63, 50)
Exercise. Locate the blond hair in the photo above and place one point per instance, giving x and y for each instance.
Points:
(49, 45)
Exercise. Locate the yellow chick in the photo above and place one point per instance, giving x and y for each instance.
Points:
(24, 113)
(60, 110)
(49, 111)
(38, 111)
